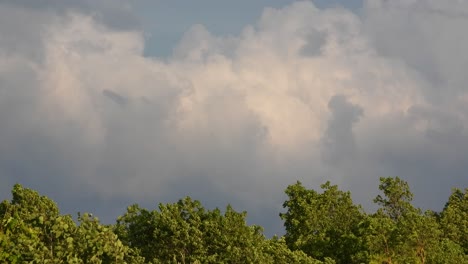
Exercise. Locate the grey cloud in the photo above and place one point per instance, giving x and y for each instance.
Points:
(24, 23)
(314, 43)
(44, 4)
(231, 119)
(427, 35)
(338, 142)
(22, 32)
(116, 14)
(432, 165)
(115, 97)
(422, 7)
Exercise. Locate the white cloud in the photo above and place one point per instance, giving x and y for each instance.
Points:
(304, 94)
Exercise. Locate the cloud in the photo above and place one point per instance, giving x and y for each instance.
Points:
(116, 14)
(338, 142)
(427, 36)
(304, 94)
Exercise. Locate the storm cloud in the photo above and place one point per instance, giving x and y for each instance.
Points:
(303, 94)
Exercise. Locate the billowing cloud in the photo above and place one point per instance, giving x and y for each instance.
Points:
(304, 94)
(338, 141)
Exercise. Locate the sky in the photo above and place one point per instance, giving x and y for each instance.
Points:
(107, 103)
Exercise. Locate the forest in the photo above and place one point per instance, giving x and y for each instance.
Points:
(321, 226)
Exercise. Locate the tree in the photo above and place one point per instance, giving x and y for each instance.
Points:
(454, 218)
(397, 198)
(400, 233)
(33, 231)
(447, 252)
(185, 232)
(279, 253)
(31, 228)
(323, 225)
(387, 233)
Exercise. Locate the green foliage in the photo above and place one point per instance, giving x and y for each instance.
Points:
(185, 232)
(411, 239)
(454, 218)
(400, 233)
(33, 231)
(323, 225)
(329, 225)
(447, 252)
(277, 252)
(397, 197)
(395, 231)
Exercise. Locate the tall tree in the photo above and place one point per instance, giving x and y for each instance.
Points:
(185, 232)
(323, 225)
(33, 231)
(384, 229)
(397, 198)
(454, 218)
(400, 233)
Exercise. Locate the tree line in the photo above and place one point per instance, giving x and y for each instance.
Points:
(323, 226)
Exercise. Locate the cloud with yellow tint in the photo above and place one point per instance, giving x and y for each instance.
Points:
(303, 94)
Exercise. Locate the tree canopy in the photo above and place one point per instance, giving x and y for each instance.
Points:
(323, 226)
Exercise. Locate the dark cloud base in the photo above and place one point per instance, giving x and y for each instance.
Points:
(305, 94)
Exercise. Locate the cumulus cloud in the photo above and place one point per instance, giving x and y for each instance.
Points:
(304, 94)
(338, 141)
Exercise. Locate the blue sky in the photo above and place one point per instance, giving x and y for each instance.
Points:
(166, 21)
